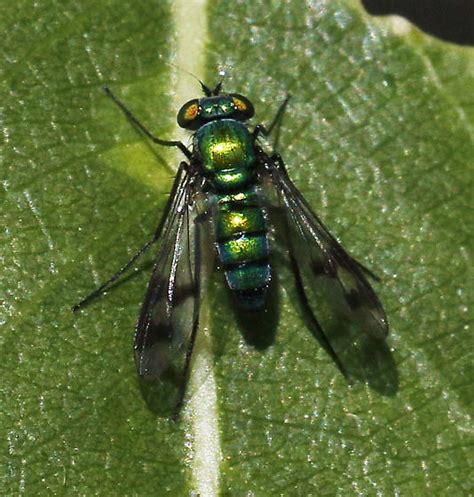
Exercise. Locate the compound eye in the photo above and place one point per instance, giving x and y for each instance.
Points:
(188, 113)
(243, 106)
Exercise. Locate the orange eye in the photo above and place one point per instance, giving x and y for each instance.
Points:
(240, 104)
(191, 112)
(243, 106)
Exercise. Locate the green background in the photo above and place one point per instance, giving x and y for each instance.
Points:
(378, 137)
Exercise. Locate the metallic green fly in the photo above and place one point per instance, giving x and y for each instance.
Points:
(232, 188)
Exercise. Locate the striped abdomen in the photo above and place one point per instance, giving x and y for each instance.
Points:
(242, 245)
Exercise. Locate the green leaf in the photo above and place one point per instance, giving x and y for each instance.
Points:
(379, 138)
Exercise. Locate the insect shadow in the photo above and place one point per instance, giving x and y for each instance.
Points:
(258, 329)
(360, 356)
(160, 396)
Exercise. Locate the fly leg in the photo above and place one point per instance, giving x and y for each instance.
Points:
(171, 201)
(130, 116)
(304, 301)
(104, 287)
(260, 129)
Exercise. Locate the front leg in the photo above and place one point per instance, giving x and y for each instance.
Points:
(260, 129)
(181, 177)
(134, 120)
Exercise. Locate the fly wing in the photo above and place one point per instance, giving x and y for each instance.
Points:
(335, 284)
(169, 314)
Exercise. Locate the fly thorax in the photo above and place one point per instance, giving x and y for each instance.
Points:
(226, 152)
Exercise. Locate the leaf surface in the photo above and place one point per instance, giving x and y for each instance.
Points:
(379, 138)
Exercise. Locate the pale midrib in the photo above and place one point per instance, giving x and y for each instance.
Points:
(201, 409)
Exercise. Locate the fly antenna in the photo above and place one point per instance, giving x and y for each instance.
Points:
(206, 90)
(218, 88)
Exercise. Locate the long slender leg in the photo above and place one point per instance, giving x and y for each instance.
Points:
(131, 117)
(179, 177)
(114, 277)
(192, 339)
(277, 120)
(304, 300)
(314, 321)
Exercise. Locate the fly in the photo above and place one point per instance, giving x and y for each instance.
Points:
(228, 182)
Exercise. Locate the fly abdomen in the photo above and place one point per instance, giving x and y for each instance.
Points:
(242, 245)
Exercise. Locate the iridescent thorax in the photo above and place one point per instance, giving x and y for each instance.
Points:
(226, 152)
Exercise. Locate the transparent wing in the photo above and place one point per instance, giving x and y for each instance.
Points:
(335, 284)
(169, 314)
